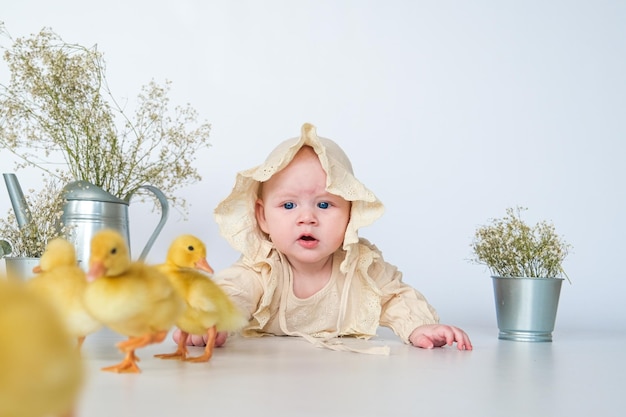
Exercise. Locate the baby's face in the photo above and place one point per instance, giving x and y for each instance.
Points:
(305, 222)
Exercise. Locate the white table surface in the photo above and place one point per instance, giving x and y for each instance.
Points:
(578, 374)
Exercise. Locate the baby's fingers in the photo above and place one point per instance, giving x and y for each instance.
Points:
(196, 340)
(462, 339)
(424, 342)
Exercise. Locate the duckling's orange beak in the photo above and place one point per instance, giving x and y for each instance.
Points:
(96, 270)
(37, 269)
(203, 265)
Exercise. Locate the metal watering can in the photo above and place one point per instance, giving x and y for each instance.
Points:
(88, 209)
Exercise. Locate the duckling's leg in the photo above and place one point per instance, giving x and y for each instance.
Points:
(79, 343)
(136, 342)
(128, 365)
(181, 351)
(208, 350)
(69, 413)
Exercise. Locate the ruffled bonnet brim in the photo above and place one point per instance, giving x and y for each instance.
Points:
(235, 215)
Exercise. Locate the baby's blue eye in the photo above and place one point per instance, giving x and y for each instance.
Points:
(323, 205)
(289, 205)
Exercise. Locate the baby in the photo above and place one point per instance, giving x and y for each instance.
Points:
(303, 270)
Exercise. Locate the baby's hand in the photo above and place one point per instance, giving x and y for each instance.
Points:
(429, 336)
(200, 340)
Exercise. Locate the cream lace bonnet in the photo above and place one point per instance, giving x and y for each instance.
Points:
(235, 214)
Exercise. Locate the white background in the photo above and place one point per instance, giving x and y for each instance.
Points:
(451, 111)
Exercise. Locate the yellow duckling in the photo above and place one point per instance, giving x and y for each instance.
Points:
(40, 373)
(60, 280)
(209, 309)
(131, 298)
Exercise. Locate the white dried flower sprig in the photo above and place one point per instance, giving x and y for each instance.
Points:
(511, 248)
(57, 111)
(44, 211)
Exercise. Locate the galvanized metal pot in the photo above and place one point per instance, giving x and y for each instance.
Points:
(526, 307)
(20, 268)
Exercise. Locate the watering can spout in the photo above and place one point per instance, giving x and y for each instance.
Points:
(18, 201)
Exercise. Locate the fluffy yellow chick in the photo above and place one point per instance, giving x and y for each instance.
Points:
(40, 372)
(209, 309)
(131, 298)
(61, 281)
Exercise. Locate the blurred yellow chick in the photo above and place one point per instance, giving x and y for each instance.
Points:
(60, 280)
(131, 298)
(209, 309)
(40, 373)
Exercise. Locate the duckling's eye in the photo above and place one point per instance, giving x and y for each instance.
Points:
(190, 248)
(113, 251)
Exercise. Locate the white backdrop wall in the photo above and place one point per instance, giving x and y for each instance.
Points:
(451, 111)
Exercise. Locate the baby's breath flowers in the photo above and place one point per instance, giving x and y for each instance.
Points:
(511, 248)
(44, 211)
(57, 111)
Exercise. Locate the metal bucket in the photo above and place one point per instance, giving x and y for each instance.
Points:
(20, 268)
(526, 307)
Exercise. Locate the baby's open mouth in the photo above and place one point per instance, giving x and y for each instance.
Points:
(307, 238)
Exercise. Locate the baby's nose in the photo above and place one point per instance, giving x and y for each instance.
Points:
(307, 216)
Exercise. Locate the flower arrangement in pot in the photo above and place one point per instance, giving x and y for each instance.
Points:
(526, 264)
(57, 114)
(21, 246)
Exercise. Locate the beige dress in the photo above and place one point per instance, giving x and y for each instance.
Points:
(363, 292)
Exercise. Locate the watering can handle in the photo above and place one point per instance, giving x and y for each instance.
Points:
(165, 209)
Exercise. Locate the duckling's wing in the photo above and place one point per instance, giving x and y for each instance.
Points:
(201, 295)
(209, 297)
